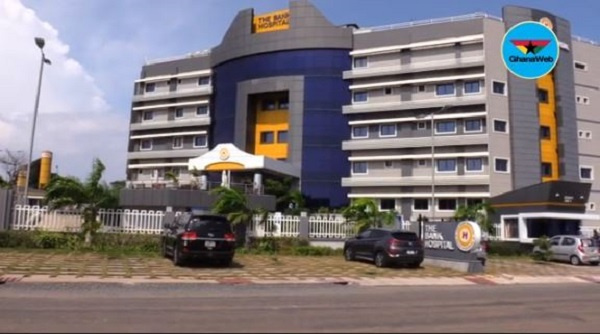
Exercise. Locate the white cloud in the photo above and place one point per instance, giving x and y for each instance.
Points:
(75, 121)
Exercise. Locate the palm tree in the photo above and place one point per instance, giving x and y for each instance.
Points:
(480, 213)
(281, 189)
(170, 175)
(234, 204)
(365, 214)
(89, 197)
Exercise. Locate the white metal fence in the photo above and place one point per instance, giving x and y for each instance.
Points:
(276, 225)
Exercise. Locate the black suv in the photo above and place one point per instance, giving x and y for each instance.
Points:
(385, 247)
(198, 236)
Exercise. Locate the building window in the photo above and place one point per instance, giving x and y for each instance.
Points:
(499, 87)
(421, 88)
(360, 97)
(501, 165)
(267, 137)
(546, 169)
(542, 95)
(474, 201)
(388, 164)
(387, 130)
(200, 141)
(387, 204)
(581, 66)
(420, 204)
(282, 137)
(202, 110)
(544, 132)
(177, 142)
(474, 164)
(387, 91)
(582, 99)
(148, 116)
(179, 113)
(360, 132)
(422, 162)
(360, 62)
(359, 167)
(146, 144)
(472, 87)
(421, 126)
(586, 173)
(284, 103)
(444, 89)
(500, 126)
(446, 165)
(203, 81)
(269, 105)
(150, 87)
(445, 127)
(446, 204)
(473, 125)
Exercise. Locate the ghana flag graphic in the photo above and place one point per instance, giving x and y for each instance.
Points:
(530, 46)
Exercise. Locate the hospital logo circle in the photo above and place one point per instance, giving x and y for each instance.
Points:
(530, 50)
(467, 236)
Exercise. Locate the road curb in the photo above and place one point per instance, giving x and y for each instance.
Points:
(362, 281)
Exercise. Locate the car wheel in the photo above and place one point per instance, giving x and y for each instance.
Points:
(349, 254)
(177, 257)
(575, 260)
(380, 260)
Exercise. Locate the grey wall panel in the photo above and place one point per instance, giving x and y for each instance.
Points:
(418, 34)
(295, 86)
(6, 201)
(524, 118)
(309, 29)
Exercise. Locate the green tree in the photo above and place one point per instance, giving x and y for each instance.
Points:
(480, 213)
(282, 190)
(3, 184)
(234, 204)
(170, 175)
(89, 197)
(542, 251)
(365, 214)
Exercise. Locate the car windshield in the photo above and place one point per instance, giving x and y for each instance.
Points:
(404, 236)
(588, 243)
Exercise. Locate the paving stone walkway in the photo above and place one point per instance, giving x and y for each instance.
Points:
(251, 267)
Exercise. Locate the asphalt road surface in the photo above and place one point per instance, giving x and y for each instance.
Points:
(80, 307)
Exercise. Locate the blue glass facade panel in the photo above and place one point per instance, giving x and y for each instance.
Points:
(324, 127)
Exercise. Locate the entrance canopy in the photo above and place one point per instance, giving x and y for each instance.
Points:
(227, 157)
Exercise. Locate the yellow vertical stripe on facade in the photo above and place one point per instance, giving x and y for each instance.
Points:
(273, 121)
(547, 111)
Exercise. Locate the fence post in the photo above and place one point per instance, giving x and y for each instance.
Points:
(303, 226)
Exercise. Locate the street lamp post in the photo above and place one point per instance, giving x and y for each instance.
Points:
(40, 42)
(431, 115)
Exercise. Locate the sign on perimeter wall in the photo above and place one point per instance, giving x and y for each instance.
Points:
(451, 240)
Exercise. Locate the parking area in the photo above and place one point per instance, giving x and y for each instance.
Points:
(253, 267)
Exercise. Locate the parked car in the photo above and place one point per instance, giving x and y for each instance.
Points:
(385, 247)
(193, 236)
(575, 249)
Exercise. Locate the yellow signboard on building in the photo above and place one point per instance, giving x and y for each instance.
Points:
(273, 21)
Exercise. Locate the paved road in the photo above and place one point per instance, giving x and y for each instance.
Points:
(29, 307)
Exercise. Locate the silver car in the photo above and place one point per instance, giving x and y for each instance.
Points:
(575, 249)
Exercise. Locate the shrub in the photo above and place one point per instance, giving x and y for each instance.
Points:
(286, 246)
(542, 251)
(509, 248)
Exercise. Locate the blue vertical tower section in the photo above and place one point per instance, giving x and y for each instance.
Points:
(324, 126)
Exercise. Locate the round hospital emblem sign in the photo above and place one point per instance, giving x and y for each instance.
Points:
(224, 154)
(467, 236)
(547, 22)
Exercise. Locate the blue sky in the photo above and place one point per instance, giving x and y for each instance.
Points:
(111, 39)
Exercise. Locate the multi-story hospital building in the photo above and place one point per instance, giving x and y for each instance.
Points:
(421, 116)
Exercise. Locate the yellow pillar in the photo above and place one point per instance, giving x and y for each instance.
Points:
(45, 169)
(21, 179)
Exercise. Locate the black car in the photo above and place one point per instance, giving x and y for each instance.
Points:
(385, 247)
(198, 236)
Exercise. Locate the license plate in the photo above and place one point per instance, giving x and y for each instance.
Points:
(411, 252)
(210, 244)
